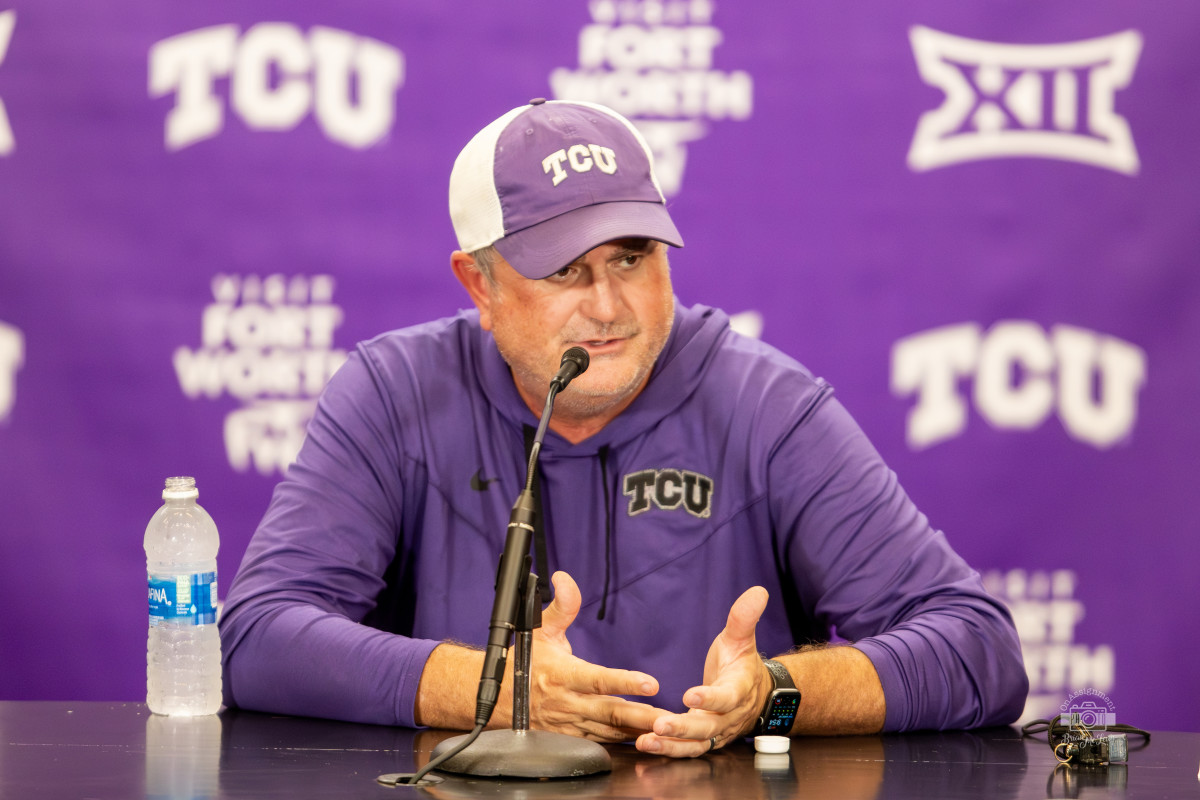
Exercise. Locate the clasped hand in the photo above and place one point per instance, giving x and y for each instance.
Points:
(570, 695)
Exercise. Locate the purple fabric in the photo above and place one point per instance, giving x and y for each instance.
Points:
(734, 467)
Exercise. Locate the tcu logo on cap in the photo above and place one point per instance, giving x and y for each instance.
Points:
(581, 157)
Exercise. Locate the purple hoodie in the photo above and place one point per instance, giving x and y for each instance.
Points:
(734, 467)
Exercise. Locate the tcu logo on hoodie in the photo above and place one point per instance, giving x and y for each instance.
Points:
(669, 489)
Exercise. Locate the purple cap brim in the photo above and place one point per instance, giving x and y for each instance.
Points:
(541, 250)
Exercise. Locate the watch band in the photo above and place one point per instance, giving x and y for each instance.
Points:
(779, 674)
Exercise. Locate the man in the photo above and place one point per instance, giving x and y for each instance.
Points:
(692, 478)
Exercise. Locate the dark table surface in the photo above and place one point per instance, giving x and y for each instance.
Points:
(120, 750)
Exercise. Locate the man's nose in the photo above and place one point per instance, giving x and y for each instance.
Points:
(603, 301)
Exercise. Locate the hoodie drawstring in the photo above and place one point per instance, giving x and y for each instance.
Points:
(541, 559)
(603, 453)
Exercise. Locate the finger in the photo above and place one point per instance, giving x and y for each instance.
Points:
(587, 678)
(616, 719)
(634, 718)
(563, 609)
(745, 614)
(722, 696)
(699, 725)
(597, 731)
(598, 717)
(673, 748)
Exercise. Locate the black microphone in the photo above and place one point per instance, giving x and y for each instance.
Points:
(514, 562)
(574, 363)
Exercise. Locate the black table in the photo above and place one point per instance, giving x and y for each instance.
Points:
(121, 751)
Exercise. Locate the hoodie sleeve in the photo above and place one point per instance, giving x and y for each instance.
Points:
(868, 564)
(290, 631)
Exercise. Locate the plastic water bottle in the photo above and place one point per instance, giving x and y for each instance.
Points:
(183, 651)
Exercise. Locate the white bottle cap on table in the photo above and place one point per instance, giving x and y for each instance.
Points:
(772, 744)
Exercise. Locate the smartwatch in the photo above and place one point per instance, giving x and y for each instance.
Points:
(780, 711)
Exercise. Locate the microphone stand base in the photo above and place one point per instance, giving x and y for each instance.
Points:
(526, 754)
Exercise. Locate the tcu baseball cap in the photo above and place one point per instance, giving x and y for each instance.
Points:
(549, 181)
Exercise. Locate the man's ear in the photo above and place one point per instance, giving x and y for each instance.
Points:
(475, 283)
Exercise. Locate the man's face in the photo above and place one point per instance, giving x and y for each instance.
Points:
(615, 301)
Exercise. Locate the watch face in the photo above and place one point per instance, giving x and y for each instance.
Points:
(782, 712)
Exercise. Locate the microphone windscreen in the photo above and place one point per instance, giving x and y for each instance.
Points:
(579, 356)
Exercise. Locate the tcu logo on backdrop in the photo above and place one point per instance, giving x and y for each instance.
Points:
(8, 21)
(12, 356)
(669, 489)
(277, 76)
(1050, 101)
(577, 155)
(1060, 368)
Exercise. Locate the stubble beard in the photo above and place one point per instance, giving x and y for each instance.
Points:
(585, 398)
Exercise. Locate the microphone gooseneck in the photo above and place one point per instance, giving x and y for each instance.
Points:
(573, 364)
(555, 755)
(514, 562)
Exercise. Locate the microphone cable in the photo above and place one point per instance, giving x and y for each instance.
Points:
(446, 756)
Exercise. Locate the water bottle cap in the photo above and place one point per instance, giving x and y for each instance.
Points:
(180, 489)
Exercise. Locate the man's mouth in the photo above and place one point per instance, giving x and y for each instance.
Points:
(608, 342)
(602, 345)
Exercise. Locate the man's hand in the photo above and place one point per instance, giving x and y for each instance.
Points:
(736, 685)
(566, 694)
(570, 695)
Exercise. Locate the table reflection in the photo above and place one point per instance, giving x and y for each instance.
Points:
(183, 757)
(986, 764)
(118, 751)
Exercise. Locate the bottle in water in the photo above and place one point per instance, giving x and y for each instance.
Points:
(183, 653)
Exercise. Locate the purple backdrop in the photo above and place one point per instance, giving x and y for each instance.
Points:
(979, 224)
